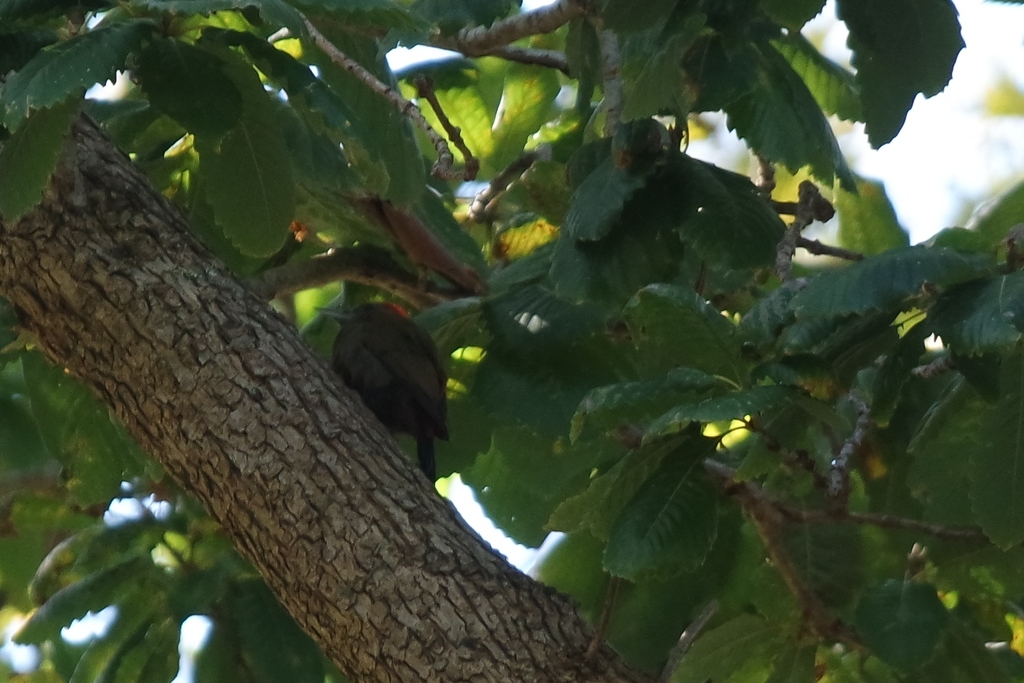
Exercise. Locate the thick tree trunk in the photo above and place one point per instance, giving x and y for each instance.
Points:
(227, 397)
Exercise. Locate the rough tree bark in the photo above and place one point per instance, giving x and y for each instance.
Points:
(226, 396)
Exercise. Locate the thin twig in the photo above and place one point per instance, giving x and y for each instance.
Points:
(768, 519)
(939, 366)
(610, 596)
(818, 249)
(811, 206)
(686, 640)
(477, 41)
(839, 472)
(443, 167)
(764, 179)
(611, 74)
(365, 264)
(484, 203)
(798, 515)
(425, 89)
(534, 56)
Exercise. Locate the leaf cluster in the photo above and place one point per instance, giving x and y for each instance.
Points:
(633, 372)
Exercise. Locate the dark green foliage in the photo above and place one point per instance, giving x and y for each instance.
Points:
(899, 50)
(634, 373)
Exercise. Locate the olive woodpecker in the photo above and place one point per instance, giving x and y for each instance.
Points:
(394, 366)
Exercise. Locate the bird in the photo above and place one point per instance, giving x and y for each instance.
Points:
(394, 366)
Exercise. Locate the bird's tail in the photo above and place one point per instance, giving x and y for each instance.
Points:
(425, 451)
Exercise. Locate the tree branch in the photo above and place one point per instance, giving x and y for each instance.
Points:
(425, 89)
(229, 400)
(484, 203)
(810, 206)
(478, 41)
(365, 264)
(443, 167)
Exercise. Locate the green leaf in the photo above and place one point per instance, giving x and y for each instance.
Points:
(368, 14)
(997, 461)
(939, 448)
(597, 203)
(452, 15)
(190, 86)
(250, 186)
(636, 402)
(884, 280)
(795, 664)
(900, 49)
(627, 15)
(527, 101)
(772, 313)
(867, 221)
(653, 80)
(792, 14)
(531, 319)
(277, 12)
(730, 223)
(895, 371)
(781, 121)
(981, 316)
(161, 640)
(722, 651)
(28, 158)
(449, 232)
(381, 144)
(596, 508)
(66, 68)
(93, 593)
(17, 48)
(270, 640)
(677, 325)
(833, 87)
(670, 524)
(521, 479)
(830, 557)
(995, 218)
(453, 324)
(970, 655)
(729, 407)
(97, 453)
(901, 621)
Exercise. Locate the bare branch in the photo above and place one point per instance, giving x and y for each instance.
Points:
(418, 242)
(839, 473)
(610, 596)
(483, 204)
(425, 89)
(764, 179)
(818, 249)
(553, 59)
(443, 167)
(478, 41)
(768, 518)
(939, 366)
(798, 515)
(811, 206)
(686, 639)
(365, 264)
(611, 73)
